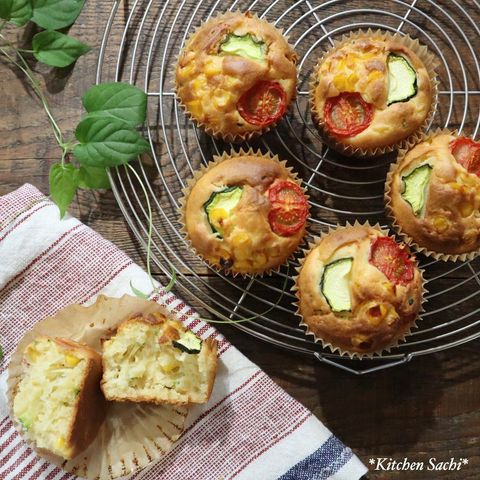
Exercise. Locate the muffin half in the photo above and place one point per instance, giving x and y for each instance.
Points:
(358, 291)
(245, 213)
(58, 399)
(236, 76)
(151, 358)
(433, 195)
(372, 91)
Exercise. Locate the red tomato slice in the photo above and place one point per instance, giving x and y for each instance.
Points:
(392, 260)
(289, 208)
(286, 192)
(348, 114)
(467, 154)
(287, 222)
(263, 104)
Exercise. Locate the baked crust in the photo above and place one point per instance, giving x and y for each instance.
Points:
(171, 331)
(453, 196)
(361, 66)
(209, 85)
(356, 331)
(249, 245)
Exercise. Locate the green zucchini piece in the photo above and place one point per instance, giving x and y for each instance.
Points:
(402, 79)
(25, 421)
(244, 46)
(335, 284)
(226, 200)
(189, 343)
(415, 187)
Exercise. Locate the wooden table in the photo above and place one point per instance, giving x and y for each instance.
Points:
(427, 408)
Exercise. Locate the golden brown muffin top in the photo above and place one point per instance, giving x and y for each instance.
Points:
(213, 79)
(361, 66)
(384, 286)
(252, 235)
(449, 218)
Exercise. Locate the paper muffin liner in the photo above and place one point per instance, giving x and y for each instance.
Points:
(220, 134)
(453, 257)
(334, 348)
(197, 174)
(429, 61)
(133, 435)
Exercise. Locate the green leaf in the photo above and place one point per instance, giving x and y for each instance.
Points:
(57, 49)
(107, 142)
(138, 292)
(6, 7)
(93, 178)
(56, 14)
(120, 100)
(63, 185)
(18, 12)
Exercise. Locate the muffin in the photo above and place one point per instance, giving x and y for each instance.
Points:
(58, 399)
(245, 213)
(372, 92)
(358, 291)
(154, 359)
(433, 195)
(236, 76)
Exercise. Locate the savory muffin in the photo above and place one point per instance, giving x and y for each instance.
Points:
(154, 359)
(236, 76)
(433, 195)
(58, 399)
(371, 92)
(246, 213)
(358, 291)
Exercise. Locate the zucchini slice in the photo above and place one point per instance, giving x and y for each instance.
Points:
(244, 46)
(219, 206)
(188, 343)
(335, 284)
(415, 187)
(402, 79)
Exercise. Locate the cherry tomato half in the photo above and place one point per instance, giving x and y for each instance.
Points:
(467, 154)
(289, 208)
(285, 192)
(263, 104)
(392, 260)
(347, 114)
(287, 222)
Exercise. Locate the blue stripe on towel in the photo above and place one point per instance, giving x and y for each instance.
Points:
(322, 463)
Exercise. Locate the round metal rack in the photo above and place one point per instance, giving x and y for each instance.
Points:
(142, 40)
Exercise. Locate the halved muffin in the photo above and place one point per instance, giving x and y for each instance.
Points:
(236, 76)
(58, 399)
(359, 291)
(154, 359)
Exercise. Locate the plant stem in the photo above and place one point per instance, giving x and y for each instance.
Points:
(25, 68)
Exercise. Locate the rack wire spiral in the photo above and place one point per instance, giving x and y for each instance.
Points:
(142, 41)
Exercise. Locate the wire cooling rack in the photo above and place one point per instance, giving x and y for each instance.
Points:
(142, 40)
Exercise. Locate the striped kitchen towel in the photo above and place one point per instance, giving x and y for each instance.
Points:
(250, 429)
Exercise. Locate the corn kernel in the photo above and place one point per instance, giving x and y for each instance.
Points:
(352, 80)
(60, 443)
(259, 259)
(71, 360)
(221, 100)
(169, 366)
(198, 84)
(339, 81)
(213, 67)
(375, 75)
(441, 224)
(240, 239)
(32, 353)
(195, 108)
(466, 209)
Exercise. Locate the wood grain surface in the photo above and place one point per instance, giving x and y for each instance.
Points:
(427, 408)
